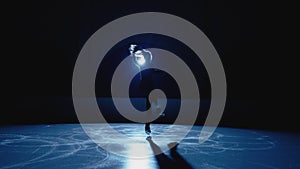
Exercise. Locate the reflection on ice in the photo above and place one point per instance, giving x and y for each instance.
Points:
(142, 163)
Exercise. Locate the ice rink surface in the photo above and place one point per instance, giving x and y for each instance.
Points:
(64, 146)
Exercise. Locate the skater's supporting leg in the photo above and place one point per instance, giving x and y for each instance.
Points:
(147, 128)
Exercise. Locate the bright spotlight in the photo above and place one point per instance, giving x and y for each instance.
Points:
(140, 57)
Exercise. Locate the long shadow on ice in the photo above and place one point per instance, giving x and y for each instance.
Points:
(165, 162)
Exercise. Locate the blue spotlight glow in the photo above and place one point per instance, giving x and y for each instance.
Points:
(140, 57)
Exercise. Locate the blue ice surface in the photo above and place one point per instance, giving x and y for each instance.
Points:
(67, 146)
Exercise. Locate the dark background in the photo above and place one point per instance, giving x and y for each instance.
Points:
(42, 39)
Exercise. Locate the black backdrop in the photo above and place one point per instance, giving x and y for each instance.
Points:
(42, 39)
